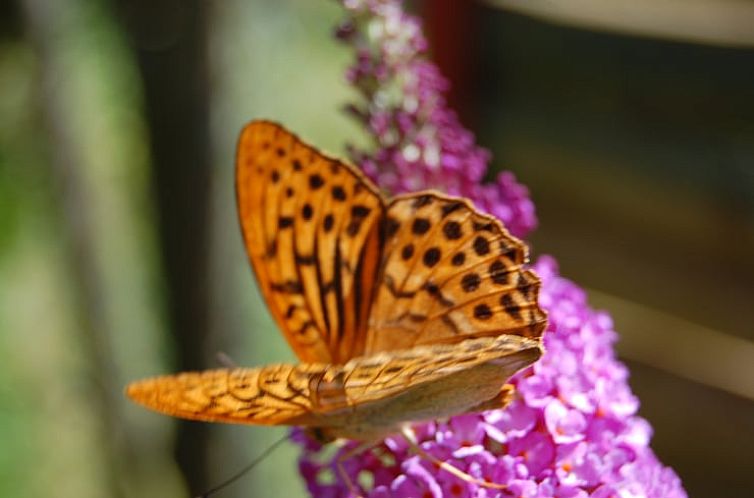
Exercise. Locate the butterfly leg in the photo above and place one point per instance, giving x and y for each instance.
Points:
(410, 436)
(342, 471)
(225, 360)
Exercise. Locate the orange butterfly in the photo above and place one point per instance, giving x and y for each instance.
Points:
(401, 310)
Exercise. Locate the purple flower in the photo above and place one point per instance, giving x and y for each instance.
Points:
(571, 430)
(419, 142)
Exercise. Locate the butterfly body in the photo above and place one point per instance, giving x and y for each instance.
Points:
(400, 310)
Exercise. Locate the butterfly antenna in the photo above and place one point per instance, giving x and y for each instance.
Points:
(244, 470)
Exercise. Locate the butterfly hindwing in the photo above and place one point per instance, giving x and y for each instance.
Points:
(360, 399)
(311, 226)
(272, 395)
(450, 273)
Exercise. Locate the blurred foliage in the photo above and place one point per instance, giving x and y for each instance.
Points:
(50, 419)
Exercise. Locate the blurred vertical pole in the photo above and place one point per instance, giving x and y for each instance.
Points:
(45, 27)
(170, 42)
(452, 30)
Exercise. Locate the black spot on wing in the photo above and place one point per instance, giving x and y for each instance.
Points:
(470, 282)
(507, 251)
(305, 260)
(407, 252)
(431, 257)
(338, 193)
(420, 226)
(289, 312)
(482, 312)
(506, 301)
(421, 201)
(498, 272)
(390, 227)
(287, 287)
(452, 230)
(451, 207)
(328, 222)
(315, 181)
(486, 226)
(360, 211)
(307, 212)
(434, 291)
(481, 246)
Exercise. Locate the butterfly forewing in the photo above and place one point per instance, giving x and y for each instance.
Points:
(311, 225)
(450, 273)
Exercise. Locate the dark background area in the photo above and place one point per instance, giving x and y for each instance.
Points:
(120, 255)
(639, 154)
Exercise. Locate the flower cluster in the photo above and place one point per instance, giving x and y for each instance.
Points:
(571, 432)
(572, 429)
(418, 141)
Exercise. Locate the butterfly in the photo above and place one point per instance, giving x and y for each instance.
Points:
(406, 309)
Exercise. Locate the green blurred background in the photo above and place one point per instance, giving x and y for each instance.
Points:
(120, 255)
